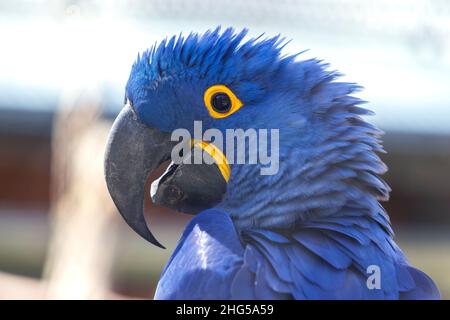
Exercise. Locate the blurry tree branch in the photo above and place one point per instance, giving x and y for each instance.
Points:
(83, 218)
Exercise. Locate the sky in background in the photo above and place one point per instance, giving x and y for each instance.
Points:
(398, 50)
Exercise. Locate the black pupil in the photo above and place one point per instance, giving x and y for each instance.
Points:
(221, 102)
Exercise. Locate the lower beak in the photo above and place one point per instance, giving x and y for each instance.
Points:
(132, 153)
(189, 188)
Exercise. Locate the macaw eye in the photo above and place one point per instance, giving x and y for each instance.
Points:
(221, 101)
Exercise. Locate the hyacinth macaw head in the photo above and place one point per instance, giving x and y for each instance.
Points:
(326, 150)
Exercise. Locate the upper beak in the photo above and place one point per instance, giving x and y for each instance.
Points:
(132, 153)
(135, 150)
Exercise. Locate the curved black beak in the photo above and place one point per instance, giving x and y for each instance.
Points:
(132, 153)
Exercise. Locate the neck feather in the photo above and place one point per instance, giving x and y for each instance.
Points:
(328, 162)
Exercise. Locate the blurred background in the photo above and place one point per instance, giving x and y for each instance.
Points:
(63, 67)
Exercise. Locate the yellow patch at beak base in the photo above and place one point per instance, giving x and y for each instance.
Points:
(216, 154)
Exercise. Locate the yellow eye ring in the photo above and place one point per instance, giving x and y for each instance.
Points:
(221, 101)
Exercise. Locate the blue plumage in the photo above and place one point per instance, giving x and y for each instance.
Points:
(308, 232)
(326, 260)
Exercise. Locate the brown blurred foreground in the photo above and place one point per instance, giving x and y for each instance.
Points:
(80, 207)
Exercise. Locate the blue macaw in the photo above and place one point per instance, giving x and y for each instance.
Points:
(314, 230)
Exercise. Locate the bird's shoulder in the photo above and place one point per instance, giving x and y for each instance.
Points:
(331, 259)
(205, 260)
(352, 258)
